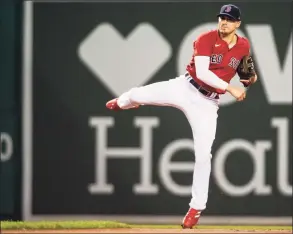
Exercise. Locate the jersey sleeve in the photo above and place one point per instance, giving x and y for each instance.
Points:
(203, 45)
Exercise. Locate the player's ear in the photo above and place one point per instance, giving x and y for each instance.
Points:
(238, 24)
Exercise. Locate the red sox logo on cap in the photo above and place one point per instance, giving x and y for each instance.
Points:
(228, 9)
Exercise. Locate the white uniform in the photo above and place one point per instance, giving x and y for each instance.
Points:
(201, 113)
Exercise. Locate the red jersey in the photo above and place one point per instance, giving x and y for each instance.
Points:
(223, 61)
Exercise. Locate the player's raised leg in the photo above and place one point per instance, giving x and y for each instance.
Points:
(158, 94)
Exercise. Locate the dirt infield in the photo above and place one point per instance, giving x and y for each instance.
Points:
(147, 230)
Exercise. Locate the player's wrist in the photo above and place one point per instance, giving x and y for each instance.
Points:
(229, 88)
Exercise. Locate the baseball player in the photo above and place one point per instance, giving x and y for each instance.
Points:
(216, 58)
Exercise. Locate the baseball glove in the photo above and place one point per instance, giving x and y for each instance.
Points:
(245, 69)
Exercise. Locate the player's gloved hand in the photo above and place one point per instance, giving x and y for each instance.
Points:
(237, 92)
(246, 71)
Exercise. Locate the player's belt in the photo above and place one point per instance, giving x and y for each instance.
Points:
(200, 88)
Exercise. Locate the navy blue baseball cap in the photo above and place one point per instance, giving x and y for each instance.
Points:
(231, 11)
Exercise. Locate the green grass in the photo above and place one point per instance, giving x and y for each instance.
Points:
(61, 225)
(11, 225)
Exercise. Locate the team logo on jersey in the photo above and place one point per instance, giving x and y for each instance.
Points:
(216, 58)
(234, 63)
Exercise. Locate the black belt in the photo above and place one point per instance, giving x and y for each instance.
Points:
(200, 88)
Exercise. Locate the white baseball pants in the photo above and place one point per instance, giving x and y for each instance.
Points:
(202, 114)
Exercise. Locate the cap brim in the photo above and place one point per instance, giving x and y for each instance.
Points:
(227, 14)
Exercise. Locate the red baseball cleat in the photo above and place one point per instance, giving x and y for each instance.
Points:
(191, 218)
(112, 104)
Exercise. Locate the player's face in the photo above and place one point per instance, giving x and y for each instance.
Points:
(227, 25)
